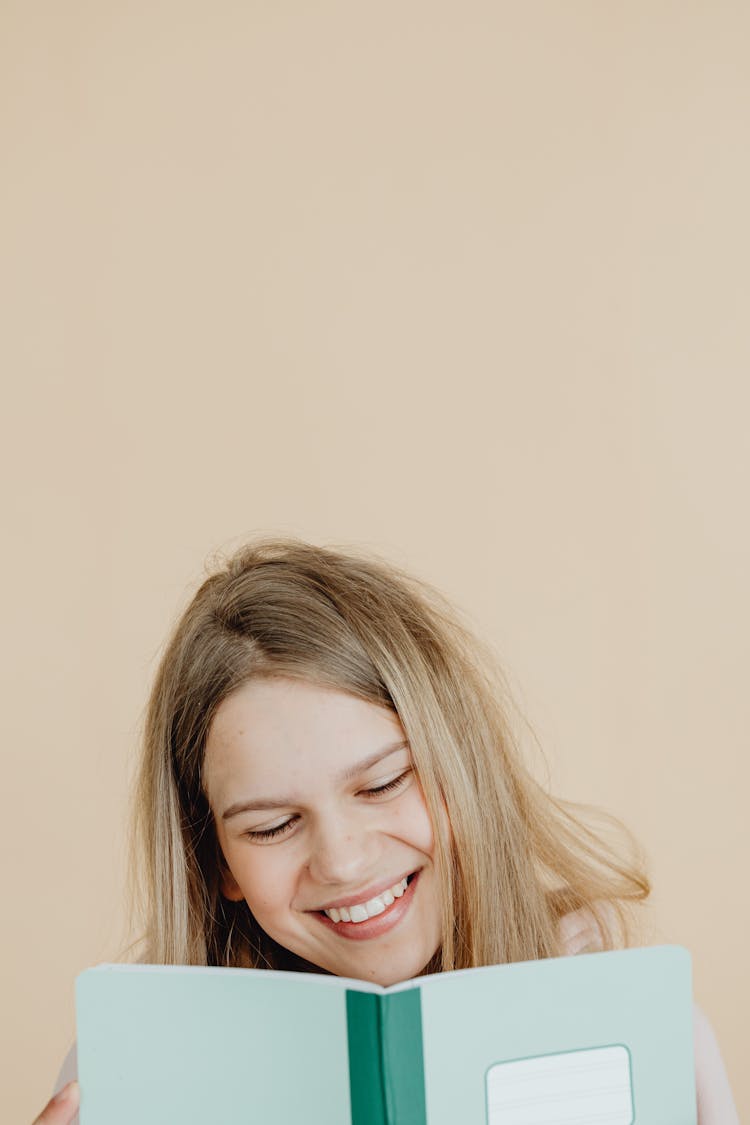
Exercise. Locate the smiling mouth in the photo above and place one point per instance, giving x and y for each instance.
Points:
(362, 912)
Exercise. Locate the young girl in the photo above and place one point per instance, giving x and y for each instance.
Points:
(329, 784)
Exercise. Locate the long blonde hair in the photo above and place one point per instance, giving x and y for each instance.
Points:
(512, 861)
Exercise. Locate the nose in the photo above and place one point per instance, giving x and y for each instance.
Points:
(342, 850)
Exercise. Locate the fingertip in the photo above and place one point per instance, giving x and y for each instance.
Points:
(62, 1108)
(70, 1095)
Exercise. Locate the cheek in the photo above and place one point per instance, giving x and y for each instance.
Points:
(415, 823)
(262, 880)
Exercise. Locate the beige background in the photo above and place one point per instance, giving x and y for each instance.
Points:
(467, 283)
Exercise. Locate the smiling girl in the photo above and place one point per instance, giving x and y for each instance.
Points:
(329, 784)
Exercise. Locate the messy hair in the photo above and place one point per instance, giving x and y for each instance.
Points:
(512, 861)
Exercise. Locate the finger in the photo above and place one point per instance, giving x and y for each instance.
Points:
(574, 930)
(586, 930)
(62, 1108)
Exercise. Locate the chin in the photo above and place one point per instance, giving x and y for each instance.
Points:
(388, 972)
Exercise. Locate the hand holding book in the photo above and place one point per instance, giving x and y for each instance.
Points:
(62, 1108)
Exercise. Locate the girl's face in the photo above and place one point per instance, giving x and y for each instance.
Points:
(317, 810)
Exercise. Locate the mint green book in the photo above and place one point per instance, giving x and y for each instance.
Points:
(598, 1039)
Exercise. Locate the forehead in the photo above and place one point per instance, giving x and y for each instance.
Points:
(280, 730)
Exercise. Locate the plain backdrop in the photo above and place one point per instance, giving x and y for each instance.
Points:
(463, 283)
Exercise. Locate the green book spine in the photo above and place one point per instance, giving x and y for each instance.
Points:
(386, 1065)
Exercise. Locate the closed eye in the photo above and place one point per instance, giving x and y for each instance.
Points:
(270, 833)
(389, 787)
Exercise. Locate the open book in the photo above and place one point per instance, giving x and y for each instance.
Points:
(598, 1039)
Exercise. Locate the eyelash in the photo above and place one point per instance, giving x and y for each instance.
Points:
(378, 791)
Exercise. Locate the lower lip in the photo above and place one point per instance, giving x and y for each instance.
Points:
(380, 924)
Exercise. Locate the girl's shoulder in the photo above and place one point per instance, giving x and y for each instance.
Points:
(714, 1094)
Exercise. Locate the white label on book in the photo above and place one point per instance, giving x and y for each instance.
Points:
(590, 1087)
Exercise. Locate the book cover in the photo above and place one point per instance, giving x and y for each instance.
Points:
(598, 1039)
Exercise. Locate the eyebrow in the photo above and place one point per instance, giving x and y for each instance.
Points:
(347, 775)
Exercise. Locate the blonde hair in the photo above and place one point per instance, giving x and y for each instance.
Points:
(512, 861)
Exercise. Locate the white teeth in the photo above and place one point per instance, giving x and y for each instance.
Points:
(364, 910)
